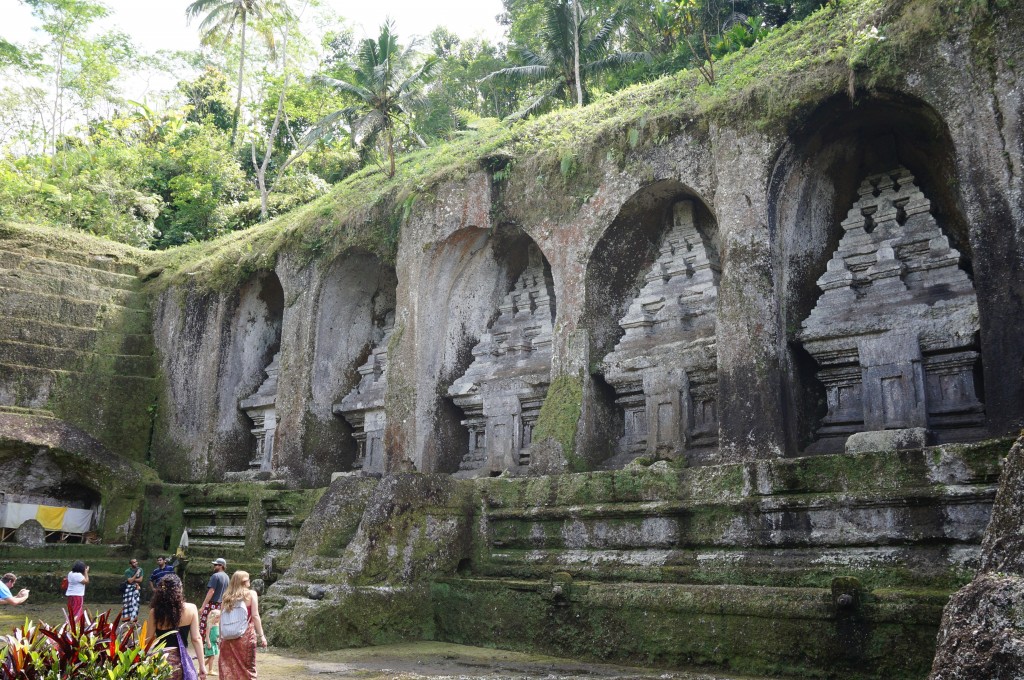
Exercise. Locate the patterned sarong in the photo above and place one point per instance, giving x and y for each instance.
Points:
(237, 660)
(204, 614)
(130, 603)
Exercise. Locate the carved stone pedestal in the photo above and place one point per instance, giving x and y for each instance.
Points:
(894, 329)
(502, 391)
(363, 407)
(664, 369)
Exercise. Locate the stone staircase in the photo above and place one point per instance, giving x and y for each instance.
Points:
(253, 525)
(75, 340)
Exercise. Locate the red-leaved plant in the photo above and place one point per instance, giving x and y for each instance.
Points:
(85, 648)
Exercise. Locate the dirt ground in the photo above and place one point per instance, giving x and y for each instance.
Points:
(413, 661)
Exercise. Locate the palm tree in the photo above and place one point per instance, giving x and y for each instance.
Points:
(221, 18)
(567, 58)
(385, 85)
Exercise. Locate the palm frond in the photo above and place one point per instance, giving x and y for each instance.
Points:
(368, 126)
(529, 73)
(530, 58)
(422, 73)
(345, 86)
(598, 45)
(613, 61)
(555, 92)
(322, 128)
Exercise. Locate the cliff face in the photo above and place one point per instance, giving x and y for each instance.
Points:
(982, 633)
(776, 178)
(817, 257)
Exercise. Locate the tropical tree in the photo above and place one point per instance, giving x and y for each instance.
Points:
(222, 16)
(571, 53)
(385, 85)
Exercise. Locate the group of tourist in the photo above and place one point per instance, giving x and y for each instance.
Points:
(224, 632)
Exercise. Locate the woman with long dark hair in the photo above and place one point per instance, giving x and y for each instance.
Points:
(176, 622)
(240, 628)
(77, 578)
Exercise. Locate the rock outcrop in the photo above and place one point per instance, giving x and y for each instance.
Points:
(982, 632)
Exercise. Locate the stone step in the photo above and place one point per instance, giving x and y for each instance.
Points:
(68, 285)
(43, 332)
(31, 386)
(216, 532)
(944, 513)
(206, 512)
(61, 359)
(759, 630)
(19, 411)
(213, 544)
(25, 249)
(73, 312)
(928, 566)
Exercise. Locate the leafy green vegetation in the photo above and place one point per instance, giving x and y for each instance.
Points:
(216, 154)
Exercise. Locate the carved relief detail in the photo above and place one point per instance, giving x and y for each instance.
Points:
(261, 408)
(502, 390)
(664, 369)
(363, 407)
(893, 331)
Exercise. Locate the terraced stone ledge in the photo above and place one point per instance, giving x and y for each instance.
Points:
(798, 566)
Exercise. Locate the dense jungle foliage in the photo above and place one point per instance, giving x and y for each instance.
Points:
(281, 101)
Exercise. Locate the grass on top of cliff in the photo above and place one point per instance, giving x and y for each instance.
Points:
(768, 87)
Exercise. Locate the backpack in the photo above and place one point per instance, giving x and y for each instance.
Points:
(234, 622)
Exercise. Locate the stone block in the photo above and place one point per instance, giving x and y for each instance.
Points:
(30, 534)
(887, 440)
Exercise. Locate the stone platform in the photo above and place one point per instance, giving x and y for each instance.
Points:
(825, 564)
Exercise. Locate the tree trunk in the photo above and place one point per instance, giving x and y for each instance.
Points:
(391, 153)
(576, 50)
(261, 170)
(241, 73)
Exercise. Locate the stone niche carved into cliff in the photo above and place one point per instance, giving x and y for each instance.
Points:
(894, 330)
(663, 369)
(261, 407)
(502, 390)
(363, 407)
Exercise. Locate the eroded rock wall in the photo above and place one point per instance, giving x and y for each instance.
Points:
(982, 632)
(773, 199)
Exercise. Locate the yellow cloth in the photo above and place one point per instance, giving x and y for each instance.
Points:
(51, 518)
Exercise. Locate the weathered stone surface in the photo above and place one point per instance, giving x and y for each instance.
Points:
(214, 349)
(887, 440)
(982, 632)
(502, 390)
(30, 534)
(363, 407)
(261, 409)
(893, 331)
(44, 456)
(664, 369)
(1003, 547)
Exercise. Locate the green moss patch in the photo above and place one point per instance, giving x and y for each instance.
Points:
(559, 417)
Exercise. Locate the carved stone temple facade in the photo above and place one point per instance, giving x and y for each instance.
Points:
(261, 408)
(664, 368)
(894, 330)
(363, 407)
(502, 390)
